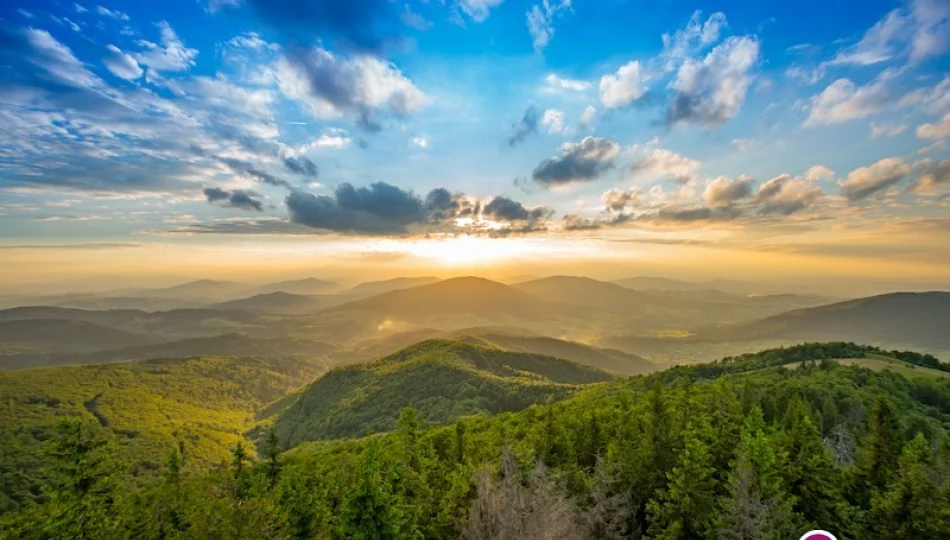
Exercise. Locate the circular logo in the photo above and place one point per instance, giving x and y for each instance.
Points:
(818, 535)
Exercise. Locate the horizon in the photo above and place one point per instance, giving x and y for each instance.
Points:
(220, 138)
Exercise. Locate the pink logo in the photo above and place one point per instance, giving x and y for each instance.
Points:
(818, 535)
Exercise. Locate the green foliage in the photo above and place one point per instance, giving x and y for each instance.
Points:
(443, 380)
(739, 452)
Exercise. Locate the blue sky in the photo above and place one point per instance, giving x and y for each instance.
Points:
(754, 124)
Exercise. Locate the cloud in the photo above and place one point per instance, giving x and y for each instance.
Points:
(785, 195)
(414, 20)
(696, 36)
(420, 142)
(938, 130)
(574, 222)
(171, 55)
(579, 162)
(555, 82)
(540, 21)
(654, 161)
(711, 92)
(588, 116)
(364, 25)
(553, 120)
(819, 172)
(505, 209)
(744, 145)
(121, 64)
(842, 100)
(931, 175)
(528, 125)
(916, 33)
(879, 130)
(863, 182)
(105, 12)
(302, 166)
(244, 200)
(617, 200)
(331, 86)
(625, 87)
(725, 192)
(478, 10)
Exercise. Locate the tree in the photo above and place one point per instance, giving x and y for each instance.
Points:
(685, 508)
(81, 493)
(272, 455)
(880, 449)
(371, 510)
(914, 505)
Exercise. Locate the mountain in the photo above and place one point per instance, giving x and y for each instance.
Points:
(666, 284)
(227, 345)
(174, 324)
(279, 303)
(458, 296)
(204, 288)
(201, 406)
(897, 319)
(308, 286)
(60, 335)
(584, 291)
(379, 287)
(443, 379)
(609, 360)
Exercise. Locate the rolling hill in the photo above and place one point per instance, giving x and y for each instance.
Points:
(204, 288)
(229, 345)
(279, 303)
(379, 287)
(201, 405)
(898, 319)
(464, 296)
(59, 335)
(443, 379)
(308, 286)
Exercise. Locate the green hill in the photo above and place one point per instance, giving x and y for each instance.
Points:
(56, 335)
(233, 345)
(443, 379)
(202, 405)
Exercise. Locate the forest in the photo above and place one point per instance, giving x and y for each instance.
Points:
(763, 445)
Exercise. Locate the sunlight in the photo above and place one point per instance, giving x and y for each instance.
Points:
(468, 250)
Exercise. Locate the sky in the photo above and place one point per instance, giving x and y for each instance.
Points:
(228, 138)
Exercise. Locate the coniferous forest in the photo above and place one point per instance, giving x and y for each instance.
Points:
(758, 446)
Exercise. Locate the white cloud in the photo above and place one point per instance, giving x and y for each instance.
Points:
(421, 142)
(654, 161)
(626, 86)
(121, 64)
(712, 91)
(938, 130)
(331, 86)
(414, 20)
(695, 37)
(917, 32)
(105, 12)
(540, 21)
(559, 83)
(819, 172)
(723, 192)
(843, 100)
(171, 55)
(79, 8)
(553, 119)
(877, 44)
(866, 181)
(879, 130)
(479, 10)
(215, 6)
(786, 195)
(744, 145)
(588, 116)
(58, 60)
(934, 100)
(617, 200)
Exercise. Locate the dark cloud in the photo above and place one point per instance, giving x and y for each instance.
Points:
(238, 198)
(785, 195)
(573, 222)
(579, 162)
(364, 25)
(930, 175)
(528, 125)
(725, 192)
(302, 165)
(505, 209)
(267, 178)
(379, 209)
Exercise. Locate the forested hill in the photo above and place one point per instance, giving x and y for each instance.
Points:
(766, 445)
(443, 379)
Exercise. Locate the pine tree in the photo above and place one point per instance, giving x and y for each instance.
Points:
(371, 510)
(272, 455)
(914, 505)
(880, 449)
(685, 508)
(81, 495)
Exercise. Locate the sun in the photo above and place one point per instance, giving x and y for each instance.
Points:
(465, 250)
